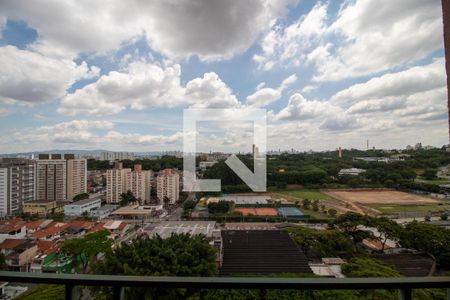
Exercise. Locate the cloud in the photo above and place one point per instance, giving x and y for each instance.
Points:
(75, 132)
(4, 112)
(289, 45)
(210, 92)
(298, 108)
(147, 85)
(265, 96)
(210, 29)
(377, 35)
(410, 81)
(31, 77)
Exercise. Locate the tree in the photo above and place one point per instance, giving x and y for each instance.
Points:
(127, 198)
(189, 205)
(321, 243)
(429, 174)
(315, 205)
(177, 255)
(349, 223)
(332, 212)
(426, 237)
(306, 203)
(387, 229)
(367, 267)
(81, 196)
(221, 207)
(84, 249)
(444, 216)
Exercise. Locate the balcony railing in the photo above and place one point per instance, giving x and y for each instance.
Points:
(405, 285)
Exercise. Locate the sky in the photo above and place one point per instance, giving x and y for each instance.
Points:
(117, 75)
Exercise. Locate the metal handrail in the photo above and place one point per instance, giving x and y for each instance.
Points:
(404, 284)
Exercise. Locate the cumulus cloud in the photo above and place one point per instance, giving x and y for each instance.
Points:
(210, 29)
(298, 108)
(366, 37)
(377, 35)
(147, 85)
(265, 95)
(209, 92)
(31, 77)
(289, 45)
(404, 83)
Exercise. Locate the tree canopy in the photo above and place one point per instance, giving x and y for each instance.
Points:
(84, 249)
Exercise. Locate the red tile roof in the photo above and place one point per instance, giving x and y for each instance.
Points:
(11, 243)
(48, 247)
(7, 226)
(51, 230)
(35, 224)
(83, 224)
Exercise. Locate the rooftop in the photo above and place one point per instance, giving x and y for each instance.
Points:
(165, 229)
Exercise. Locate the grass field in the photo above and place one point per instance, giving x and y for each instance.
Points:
(315, 214)
(434, 181)
(390, 209)
(306, 194)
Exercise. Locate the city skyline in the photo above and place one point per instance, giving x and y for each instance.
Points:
(329, 74)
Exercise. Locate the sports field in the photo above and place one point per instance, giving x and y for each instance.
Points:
(257, 211)
(379, 197)
(306, 194)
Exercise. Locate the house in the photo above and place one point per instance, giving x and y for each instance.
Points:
(37, 225)
(19, 253)
(52, 232)
(12, 229)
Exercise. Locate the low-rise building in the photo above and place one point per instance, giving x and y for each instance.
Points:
(12, 229)
(76, 209)
(103, 211)
(19, 253)
(43, 207)
(351, 171)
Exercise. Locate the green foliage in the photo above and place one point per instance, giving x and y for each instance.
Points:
(127, 198)
(315, 205)
(306, 203)
(321, 243)
(178, 255)
(429, 174)
(88, 246)
(349, 224)
(426, 237)
(81, 196)
(189, 205)
(221, 207)
(367, 267)
(44, 292)
(332, 212)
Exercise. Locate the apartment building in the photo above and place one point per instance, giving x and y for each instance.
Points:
(76, 177)
(116, 183)
(116, 155)
(17, 184)
(168, 185)
(60, 178)
(139, 183)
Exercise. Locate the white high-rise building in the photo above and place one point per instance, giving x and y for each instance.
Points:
(116, 183)
(76, 177)
(168, 186)
(138, 182)
(17, 184)
(116, 155)
(60, 178)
